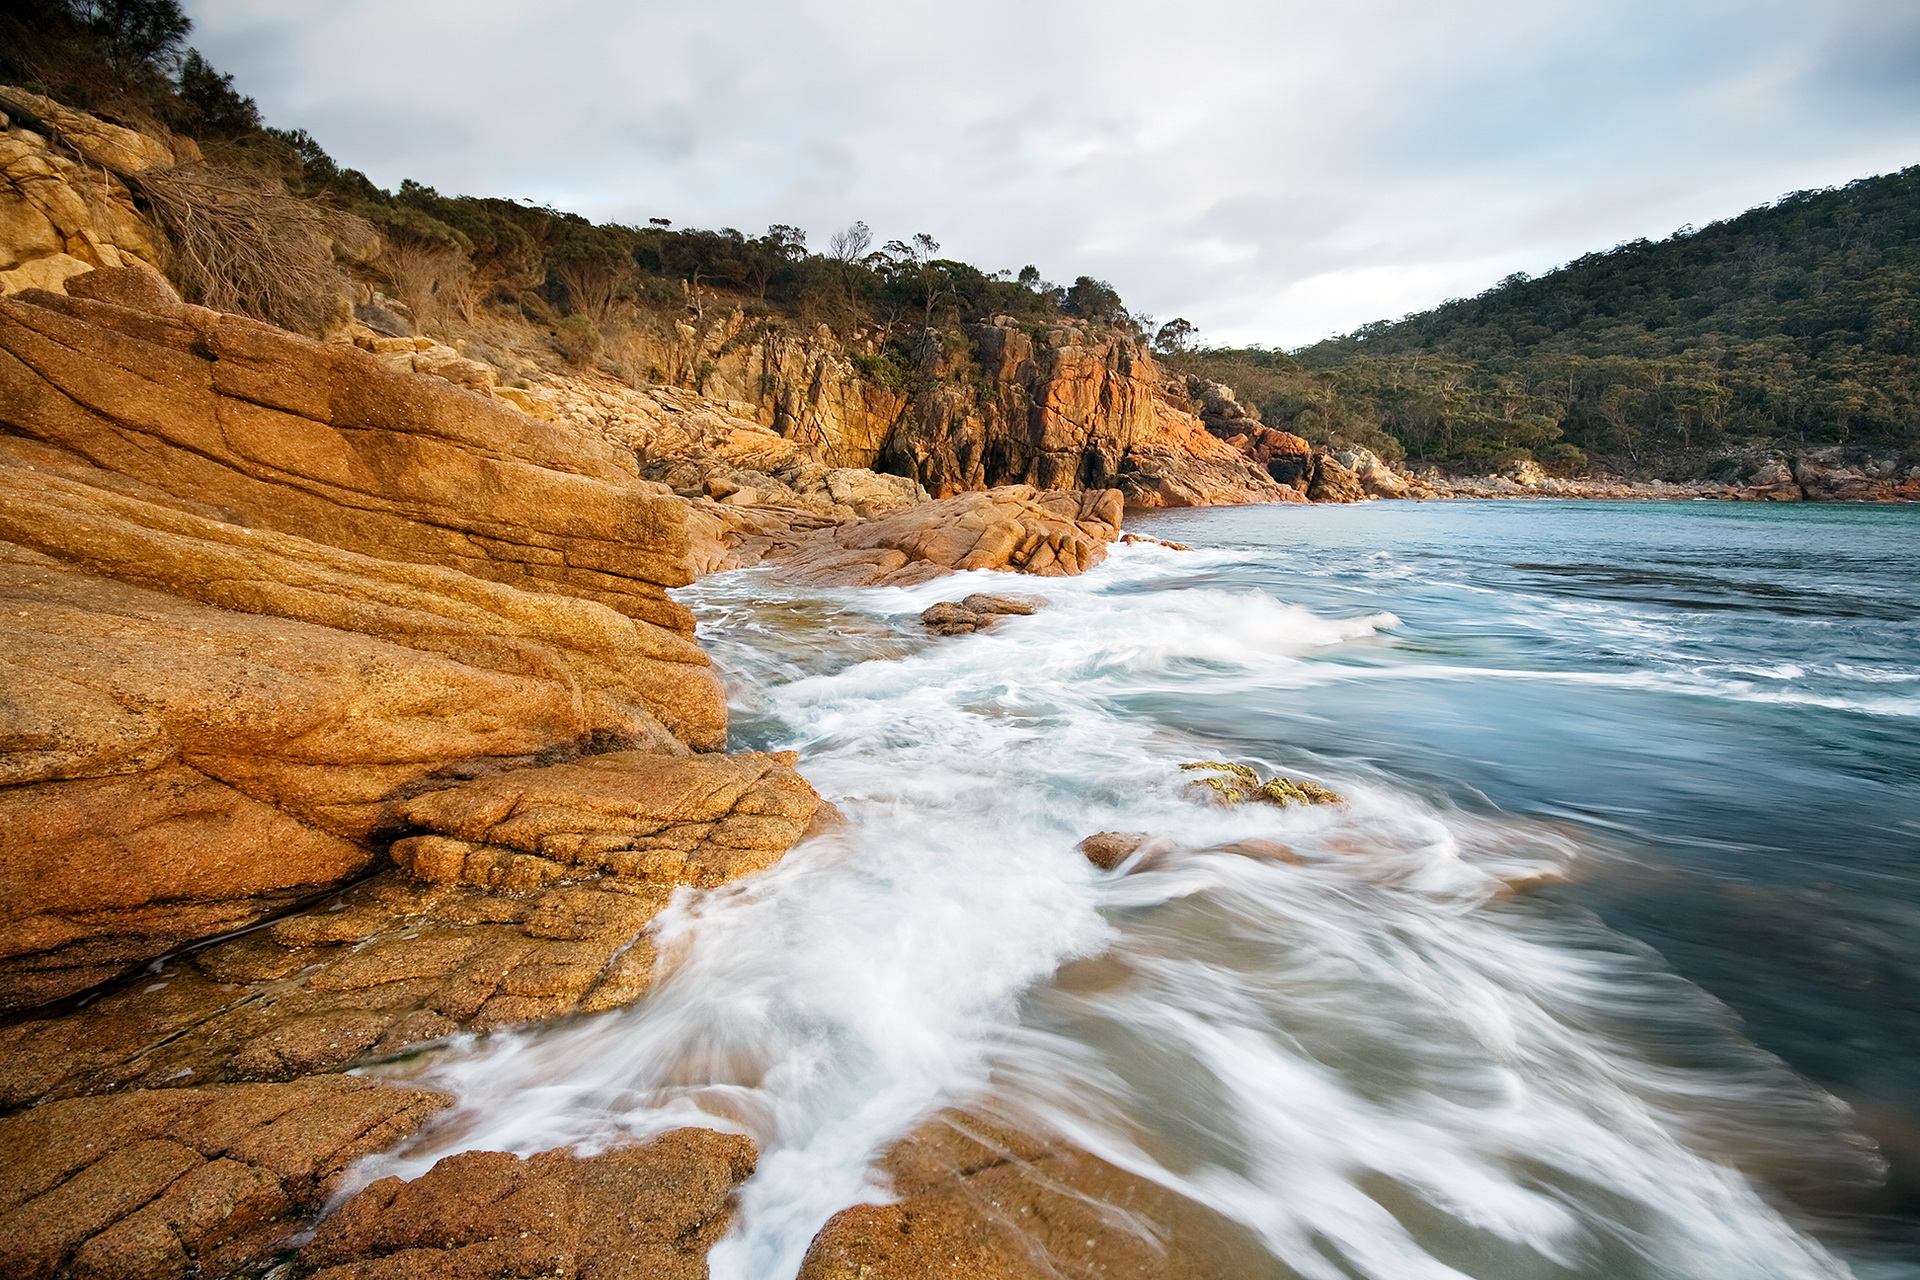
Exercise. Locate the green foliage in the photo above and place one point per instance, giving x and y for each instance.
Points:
(209, 105)
(885, 369)
(578, 338)
(1793, 323)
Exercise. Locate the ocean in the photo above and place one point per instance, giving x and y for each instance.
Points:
(1607, 966)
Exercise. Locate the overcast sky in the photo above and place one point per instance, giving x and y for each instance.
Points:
(1275, 171)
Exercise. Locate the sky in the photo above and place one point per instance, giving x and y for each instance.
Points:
(1273, 171)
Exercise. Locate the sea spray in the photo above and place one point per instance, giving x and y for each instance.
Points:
(1367, 1053)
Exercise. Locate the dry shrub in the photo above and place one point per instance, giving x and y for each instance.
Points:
(237, 243)
(434, 281)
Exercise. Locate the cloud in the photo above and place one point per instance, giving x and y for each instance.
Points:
(1274, 170)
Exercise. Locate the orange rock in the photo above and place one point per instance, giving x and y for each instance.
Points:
(647, 1212)
(981, 1201)
(184, 1182)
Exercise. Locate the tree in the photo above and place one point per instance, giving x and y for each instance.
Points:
(136, 33)
(1174, 336)
(212, 106)
(850, 246)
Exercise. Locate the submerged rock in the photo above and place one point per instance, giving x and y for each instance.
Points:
(1233, 783)
(1108, 849)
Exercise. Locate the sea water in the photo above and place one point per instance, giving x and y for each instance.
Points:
(1606, 967)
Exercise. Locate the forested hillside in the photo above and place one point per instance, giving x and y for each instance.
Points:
(1793, 324)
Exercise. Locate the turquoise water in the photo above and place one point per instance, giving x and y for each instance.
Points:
(1723, 703)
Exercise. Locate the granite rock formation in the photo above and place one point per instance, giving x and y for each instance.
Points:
(60, 216)
(1014, 528)
(260, 586)
(167, 1184)
(982, 1201)
(639, 1213)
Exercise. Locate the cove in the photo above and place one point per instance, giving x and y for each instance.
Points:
(1618, 908)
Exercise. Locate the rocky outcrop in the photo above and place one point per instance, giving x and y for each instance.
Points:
(525, 895)
(168, 1184)
(981, 1201)
(977, 612)
(640, 1213)
(260, 587)
(324, 441)
(1014, 528)
(59, 215)
(1072, 408)
(647, 818)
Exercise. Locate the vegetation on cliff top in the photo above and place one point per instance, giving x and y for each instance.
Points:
(447, 258)
(1792, 324)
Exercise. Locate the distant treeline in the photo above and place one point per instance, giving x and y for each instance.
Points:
(1794, 323)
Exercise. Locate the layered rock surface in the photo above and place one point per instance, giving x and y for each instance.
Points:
(642, 1213)
(259, 588)
(173, 1183)
(982, 1201)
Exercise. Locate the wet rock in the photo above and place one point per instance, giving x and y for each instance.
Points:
(1108, 849)
(1011, 529)
(951, 619)
(641, 1213)
(1232, 783)
(1171, 546)
(1018, 605)
(178, 1183)
(977, 612)
(983, 1201)
(529, 900)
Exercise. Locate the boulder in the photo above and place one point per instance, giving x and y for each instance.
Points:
(1108, 849)
(326, 442)
(1332, 482)
(639, 1213)
(977, 612)
(528, 899)
(168, 1184)
(1014, 528)
(979, 1200)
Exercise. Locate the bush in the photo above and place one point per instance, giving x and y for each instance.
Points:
(578, 338)
(1563, 459)
(883, 369)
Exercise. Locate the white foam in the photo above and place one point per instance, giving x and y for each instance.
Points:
(1369, 1032)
